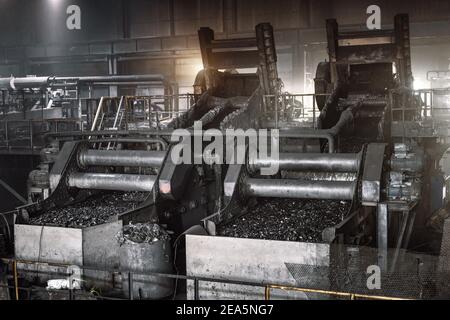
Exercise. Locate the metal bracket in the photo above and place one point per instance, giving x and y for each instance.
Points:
(372, 174)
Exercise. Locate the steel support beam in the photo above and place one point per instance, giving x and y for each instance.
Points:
(12, 191)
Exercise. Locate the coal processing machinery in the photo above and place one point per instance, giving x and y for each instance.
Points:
(357, 187)
(34, 106)
(367, 176)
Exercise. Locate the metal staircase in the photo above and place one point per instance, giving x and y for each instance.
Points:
(102, 119)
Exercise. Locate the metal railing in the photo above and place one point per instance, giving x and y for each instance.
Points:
(266, 288)
(422, 104)
(132, 112)
(429, 107)
(293, 107)
(26, 136)
(139, 112)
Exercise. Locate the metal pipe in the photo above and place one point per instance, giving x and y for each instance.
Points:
(310, 134)
(161, 142)
(320, 176)
(104, 181)
(126, 158)
(297, 189)
(114, 78)
(188, 132)
(301, 146)
(12, 83)
(333, 162)
(127, 83)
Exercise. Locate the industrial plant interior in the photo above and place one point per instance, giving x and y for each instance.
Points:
(98, 97)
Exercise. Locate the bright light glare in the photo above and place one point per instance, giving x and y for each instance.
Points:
(54, 3)
(197, 67)
(420, 84)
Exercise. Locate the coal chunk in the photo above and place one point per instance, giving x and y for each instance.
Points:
(95, 210)
(286, 220)
(142, 233)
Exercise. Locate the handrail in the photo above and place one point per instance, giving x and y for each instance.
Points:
(97, 114)
(196, 281)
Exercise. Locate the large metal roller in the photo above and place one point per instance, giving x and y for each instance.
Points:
(126, 158)
(298, 189)
(103, 181)
(323, 162)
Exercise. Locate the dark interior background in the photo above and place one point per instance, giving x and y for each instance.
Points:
(159, 36)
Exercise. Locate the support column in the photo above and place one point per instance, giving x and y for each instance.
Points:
(382, 235)
(112, 70)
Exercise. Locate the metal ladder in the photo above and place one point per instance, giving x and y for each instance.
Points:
(117, 120)
(99, 119)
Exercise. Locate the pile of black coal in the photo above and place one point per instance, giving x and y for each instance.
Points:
(95, 210)
(286, 220)
(142, 233)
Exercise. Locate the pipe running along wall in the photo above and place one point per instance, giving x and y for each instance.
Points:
(13, 83)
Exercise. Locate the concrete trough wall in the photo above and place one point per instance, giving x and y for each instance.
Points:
(94, 247)
(286, 263)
